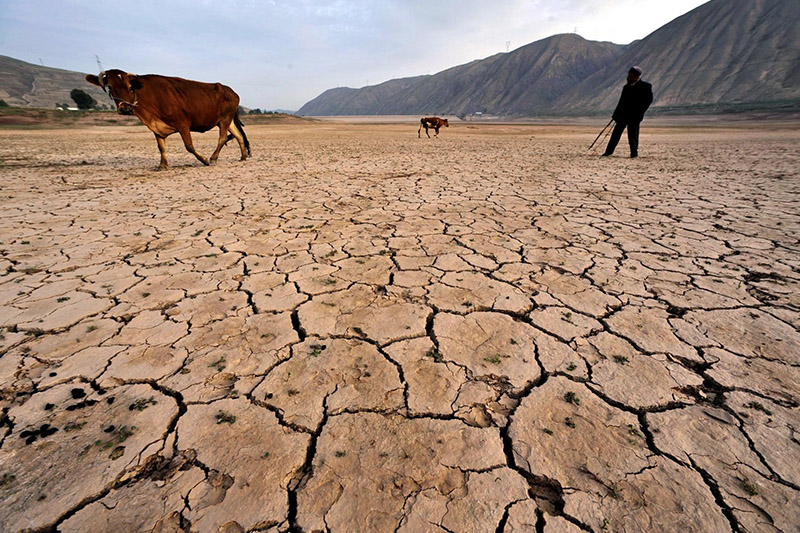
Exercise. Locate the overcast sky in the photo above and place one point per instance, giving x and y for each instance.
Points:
(281, 54)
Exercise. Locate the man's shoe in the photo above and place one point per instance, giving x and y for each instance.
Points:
(634, 155)
(605, 155)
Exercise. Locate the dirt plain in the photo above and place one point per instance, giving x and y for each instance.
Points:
(360, 330)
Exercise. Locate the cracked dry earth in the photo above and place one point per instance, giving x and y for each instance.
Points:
(359, 330)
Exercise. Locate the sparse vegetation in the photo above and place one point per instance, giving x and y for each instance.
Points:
(749, 487)
(758, 406)
(571, 397)
(495, 359)
(225, 418)
(316, 350)
(219, 364)
(621, 359)
(142, 403)
(434, 354)
(635, 431)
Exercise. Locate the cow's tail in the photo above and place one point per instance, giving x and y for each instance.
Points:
(237, 121)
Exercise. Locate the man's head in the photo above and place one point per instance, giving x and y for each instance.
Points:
(634, 74)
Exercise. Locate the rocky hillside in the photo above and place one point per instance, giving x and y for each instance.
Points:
(528, 78)
(27, 85)
(723, 54)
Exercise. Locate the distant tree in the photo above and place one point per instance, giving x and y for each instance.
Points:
(3, 103)
(82, 99)
(256, 111)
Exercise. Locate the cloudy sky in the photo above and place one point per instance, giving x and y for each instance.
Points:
(278, 54)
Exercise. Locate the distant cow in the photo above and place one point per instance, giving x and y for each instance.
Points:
(431, 122)
(168, 105)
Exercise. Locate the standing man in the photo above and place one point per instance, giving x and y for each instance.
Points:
(637, 95)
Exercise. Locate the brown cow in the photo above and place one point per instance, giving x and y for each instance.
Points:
(431, 122)
(168, 105)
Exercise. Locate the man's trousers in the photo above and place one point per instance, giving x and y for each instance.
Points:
(633, 137)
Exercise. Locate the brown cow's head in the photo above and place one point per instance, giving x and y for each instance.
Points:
(120, 86)
(446, 124)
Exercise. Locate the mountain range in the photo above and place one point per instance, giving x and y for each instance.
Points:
(723, 55)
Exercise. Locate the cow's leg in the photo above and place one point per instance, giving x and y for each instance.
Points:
(162, 147)
(238, 136)
(187, 142)
(426, 131)
(436, 129)
(223, 139)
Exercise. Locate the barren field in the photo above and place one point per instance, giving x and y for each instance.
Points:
(359, 330)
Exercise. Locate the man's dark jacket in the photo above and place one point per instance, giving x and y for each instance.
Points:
(633, 103)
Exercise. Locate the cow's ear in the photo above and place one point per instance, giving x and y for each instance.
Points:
(91, 78)
(136, 84)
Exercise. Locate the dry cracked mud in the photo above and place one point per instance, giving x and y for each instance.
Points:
(360, 330)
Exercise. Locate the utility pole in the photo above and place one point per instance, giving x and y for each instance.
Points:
(99, 64)
(508, 44)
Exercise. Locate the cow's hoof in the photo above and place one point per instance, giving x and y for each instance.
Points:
(163, 167)
(243, 158)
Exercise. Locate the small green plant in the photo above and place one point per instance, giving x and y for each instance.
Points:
(749, 487)
(142, 403)
(547, 431)
(91, 328)
(621, 359)
(341, 453)
(434, 354)
(566, 316)
(467, 304)
(328, 281)
(635, 431)
(571, 367)
(197, 233)
(495, 359)
(615, 492)
(571, 397)
(219, 364)
(293, 392)
(512, 341)
(569, 422)
(360, 332)
(759, 407)
(62, 299)
(145, 294)
(119, 435)
(225, 418)
(330, 254)
(316, 350)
